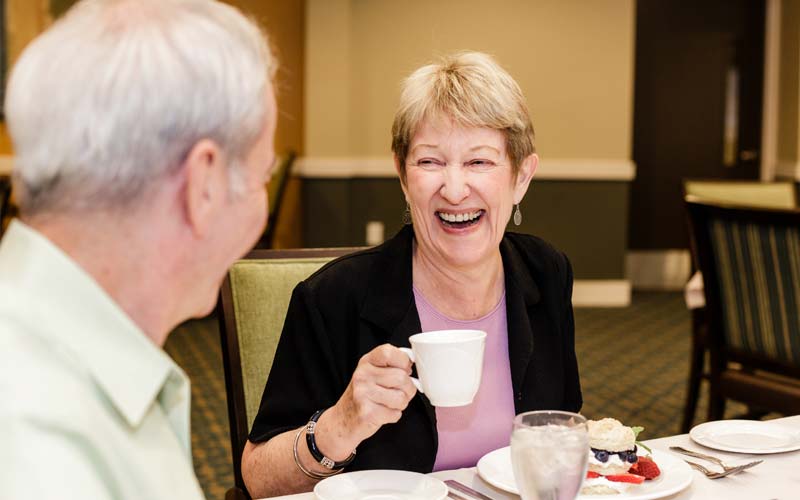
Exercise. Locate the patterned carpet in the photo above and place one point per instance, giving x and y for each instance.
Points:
(633, 361)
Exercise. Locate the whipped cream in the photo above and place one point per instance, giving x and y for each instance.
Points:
(613, 461)
(614, 485)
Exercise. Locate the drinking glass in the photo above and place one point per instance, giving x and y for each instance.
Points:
(549, 454)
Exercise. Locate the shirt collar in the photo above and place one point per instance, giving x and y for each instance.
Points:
(64, 304)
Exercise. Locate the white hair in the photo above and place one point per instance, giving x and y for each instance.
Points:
(113, 97)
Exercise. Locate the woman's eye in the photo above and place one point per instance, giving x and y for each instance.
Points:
(481, 164)
(428, 162)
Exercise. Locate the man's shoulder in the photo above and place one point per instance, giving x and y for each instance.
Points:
(39, 378)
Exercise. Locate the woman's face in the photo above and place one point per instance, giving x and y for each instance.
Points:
(461, 189)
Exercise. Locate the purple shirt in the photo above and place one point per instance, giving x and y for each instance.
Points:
(466, 433)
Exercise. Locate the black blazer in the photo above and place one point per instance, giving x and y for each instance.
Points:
(363, 300)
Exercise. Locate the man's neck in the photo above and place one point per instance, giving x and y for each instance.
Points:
(125, 262)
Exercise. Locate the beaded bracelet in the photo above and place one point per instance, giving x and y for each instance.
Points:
(320, 457)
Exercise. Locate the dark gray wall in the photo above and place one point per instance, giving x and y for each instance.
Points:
(587, 220)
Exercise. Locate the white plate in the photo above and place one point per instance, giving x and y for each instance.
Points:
(381, 485)
(495, 469)
(746, 436)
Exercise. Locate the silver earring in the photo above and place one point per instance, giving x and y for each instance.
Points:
(517, 216)
(407, 215)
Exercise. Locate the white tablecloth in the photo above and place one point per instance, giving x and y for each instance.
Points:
(777, 478)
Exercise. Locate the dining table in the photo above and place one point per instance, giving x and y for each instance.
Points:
(777, 478)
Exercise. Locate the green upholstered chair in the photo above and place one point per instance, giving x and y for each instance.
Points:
(253, 302)
(750, 260)
(782, 194)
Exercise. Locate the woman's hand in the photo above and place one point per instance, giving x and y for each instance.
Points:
(379, 391)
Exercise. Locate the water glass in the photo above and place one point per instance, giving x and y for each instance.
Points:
(549, 454)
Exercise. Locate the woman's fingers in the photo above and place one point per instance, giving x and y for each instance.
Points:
(387, 355)
(379, 391)
(382, 378)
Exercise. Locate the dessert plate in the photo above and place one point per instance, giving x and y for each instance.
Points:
(746, 436)
(381, 484)
(495, 469)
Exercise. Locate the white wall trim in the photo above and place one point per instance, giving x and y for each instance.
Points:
(658, 269)
(601, 293)
(787, 170)
(382, 166)
(6, 164)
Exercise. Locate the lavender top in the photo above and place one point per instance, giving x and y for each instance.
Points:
(466, 433)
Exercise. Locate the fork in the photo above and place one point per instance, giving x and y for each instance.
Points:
(716, 475)
(715, 460)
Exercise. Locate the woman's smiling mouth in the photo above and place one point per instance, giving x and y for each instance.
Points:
(460, 220)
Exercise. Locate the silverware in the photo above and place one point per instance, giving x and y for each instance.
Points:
(461, 490)
(709, 458)
(716, 475)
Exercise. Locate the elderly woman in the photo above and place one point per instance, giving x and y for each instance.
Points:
(463, 148)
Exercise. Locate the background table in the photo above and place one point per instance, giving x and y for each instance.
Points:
(777, 478)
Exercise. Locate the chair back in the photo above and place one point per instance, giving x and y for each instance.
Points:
(779, 194)
(5, 196)
(253, 302)
(750, 260)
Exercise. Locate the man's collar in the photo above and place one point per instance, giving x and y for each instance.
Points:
(57, 300)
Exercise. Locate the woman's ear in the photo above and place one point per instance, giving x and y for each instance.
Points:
(401, 174)
(524, 176)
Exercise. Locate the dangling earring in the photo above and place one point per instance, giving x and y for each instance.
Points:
(407, 215)
(517, 216)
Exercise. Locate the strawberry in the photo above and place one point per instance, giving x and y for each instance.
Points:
(591, 475)
(646, 467)
(626, 478)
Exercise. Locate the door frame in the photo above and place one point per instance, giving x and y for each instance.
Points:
(769, 120)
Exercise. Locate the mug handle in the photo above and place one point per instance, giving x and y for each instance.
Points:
(408, 352)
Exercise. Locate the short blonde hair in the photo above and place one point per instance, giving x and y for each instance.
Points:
(474, 91)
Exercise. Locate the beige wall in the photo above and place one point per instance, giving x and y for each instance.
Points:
(285, 22)
(573, 60)
(789, 84)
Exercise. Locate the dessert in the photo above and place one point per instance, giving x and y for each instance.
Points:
(614, 463)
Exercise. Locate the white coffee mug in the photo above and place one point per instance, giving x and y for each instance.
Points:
(449, 365)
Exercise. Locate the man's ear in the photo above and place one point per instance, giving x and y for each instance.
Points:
(524, 176)
(206, 185)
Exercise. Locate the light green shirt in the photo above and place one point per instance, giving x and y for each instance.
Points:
(90, 407)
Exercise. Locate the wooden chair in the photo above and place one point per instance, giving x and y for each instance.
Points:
(740, 192)
(253, 302)
(750, 260)
(275, 192)
(5, 197)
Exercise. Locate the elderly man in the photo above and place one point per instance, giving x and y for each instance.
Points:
(143, 132)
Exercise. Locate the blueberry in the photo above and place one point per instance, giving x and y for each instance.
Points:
(601, 455)
(632, 458)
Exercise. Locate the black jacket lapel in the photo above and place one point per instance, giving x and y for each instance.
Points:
(522, 297)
